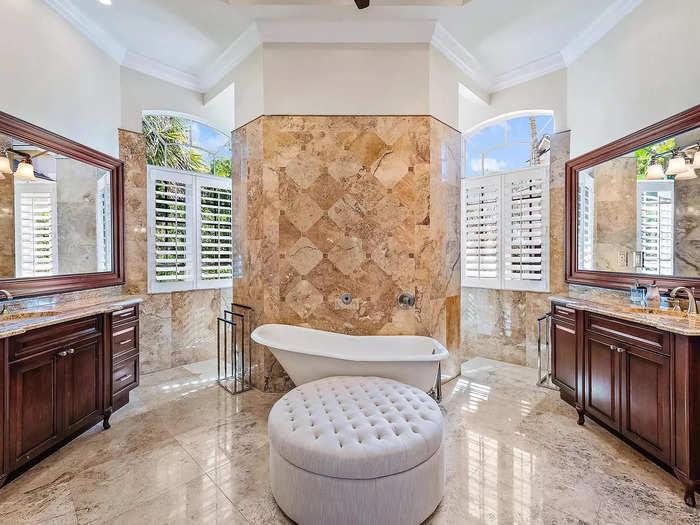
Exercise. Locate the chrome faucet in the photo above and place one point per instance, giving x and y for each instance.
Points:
(692, 307)
(3, 304)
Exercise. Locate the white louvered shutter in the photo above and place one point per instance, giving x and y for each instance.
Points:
(655, 217)
(36, 242)
(103, 204)
(481, 226)
(585, 207)
(171, 230)
(526, 229)
(214, 226)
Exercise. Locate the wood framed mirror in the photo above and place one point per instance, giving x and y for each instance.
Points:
(62, 219)
(633, 208)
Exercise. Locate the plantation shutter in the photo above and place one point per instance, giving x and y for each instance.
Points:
(214, 226)
(103, 204)
(526, 229)
(171, 230)
(35, 229)
(481, 225)
(585, 207)
(655, 205)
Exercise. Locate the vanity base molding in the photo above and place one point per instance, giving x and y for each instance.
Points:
(59, 380)
(640, 382)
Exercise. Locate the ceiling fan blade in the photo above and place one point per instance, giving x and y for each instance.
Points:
(361, 4)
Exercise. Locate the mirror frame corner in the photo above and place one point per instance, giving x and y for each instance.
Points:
(34, 286)
(673, 125)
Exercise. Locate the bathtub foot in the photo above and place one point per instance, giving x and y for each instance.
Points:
(436, 391)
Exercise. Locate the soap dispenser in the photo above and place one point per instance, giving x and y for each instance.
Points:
(653, 297)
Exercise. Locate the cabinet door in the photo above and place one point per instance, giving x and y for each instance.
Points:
(83, 383)
(35, 406)
(646, 400)
(564, 361)
(602, 377)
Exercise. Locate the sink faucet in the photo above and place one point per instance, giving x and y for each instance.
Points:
(692, 307)
(3, 304)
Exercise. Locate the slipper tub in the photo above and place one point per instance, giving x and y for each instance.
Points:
(308, 355)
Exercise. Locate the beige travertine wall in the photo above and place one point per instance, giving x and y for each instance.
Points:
(176, 328)
(615, 197)
(362, 204)
(7, 220)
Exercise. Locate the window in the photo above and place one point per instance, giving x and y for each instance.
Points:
(103, 203)
(655, 205)
(35, 229)
(586, 220)
(177, 141)
(505, 204)
(507, 145)
(505, 230)
(190, 230)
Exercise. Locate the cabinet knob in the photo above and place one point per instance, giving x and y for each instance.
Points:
(620, 350)
(62, 353)
(613, 347)
(71, 350)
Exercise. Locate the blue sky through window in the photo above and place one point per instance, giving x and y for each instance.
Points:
(503, 146)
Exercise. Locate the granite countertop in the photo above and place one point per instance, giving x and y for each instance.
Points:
(29, 318)
(676, 322)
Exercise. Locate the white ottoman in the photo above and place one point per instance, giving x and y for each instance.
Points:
(356, 450)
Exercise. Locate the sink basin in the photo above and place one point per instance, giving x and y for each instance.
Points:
(21, 316)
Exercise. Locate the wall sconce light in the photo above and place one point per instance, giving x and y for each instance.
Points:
(5, 168)
(687, 174)
(676, 165)
(696, 160)
(25, 170)
(655, 171)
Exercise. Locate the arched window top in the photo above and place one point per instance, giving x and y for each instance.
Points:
(507, 143)
(175, 140)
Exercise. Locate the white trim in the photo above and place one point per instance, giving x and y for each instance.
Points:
(535, 69)
(604, 22)
(187, 116)
(162, 71)
(233, 55)
(443, 41)
(89, 28)
(507, 116)
(349, 31)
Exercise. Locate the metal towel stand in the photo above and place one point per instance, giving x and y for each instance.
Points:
(545, 381)
(238, 356)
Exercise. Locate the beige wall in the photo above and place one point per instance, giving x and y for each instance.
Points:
(637, 74)
(364, 205)
(141, 92)
(348, 79)
(55, 78)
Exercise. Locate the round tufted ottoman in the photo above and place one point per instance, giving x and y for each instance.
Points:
(356, 450)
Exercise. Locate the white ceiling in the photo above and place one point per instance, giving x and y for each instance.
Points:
(189, 35)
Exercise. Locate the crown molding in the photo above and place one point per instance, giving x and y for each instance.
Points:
(604, 22)
(529, 71)
(443, 41)
(162, 71)
(92, 31)
(233, 55)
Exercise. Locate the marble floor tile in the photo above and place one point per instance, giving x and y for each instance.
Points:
(185, 451)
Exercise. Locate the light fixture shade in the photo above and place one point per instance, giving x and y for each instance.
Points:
(687, 174)
(5, 168)
(25, 171)
(696, 160)
(655, 172)
(676, 165)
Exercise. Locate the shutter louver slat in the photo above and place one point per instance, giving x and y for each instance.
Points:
(216, 231)
(655, 226)
(35, 229)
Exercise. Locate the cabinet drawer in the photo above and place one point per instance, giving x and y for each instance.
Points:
(125, 315)
(37, 340)
(125, 375)
(563, 312)
(125, 338)
(624, 331)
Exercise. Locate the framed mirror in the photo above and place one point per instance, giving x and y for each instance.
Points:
(633, 208)
(61, 213)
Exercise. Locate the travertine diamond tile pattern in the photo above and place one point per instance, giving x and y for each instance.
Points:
(357, 204)
(184, 451)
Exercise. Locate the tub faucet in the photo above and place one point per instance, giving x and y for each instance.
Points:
(3, 304)
(692, 307)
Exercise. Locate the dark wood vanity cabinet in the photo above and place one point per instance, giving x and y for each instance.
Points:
(62, 379)
(636, 381)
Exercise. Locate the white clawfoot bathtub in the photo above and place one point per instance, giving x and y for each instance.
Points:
(308, 355)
